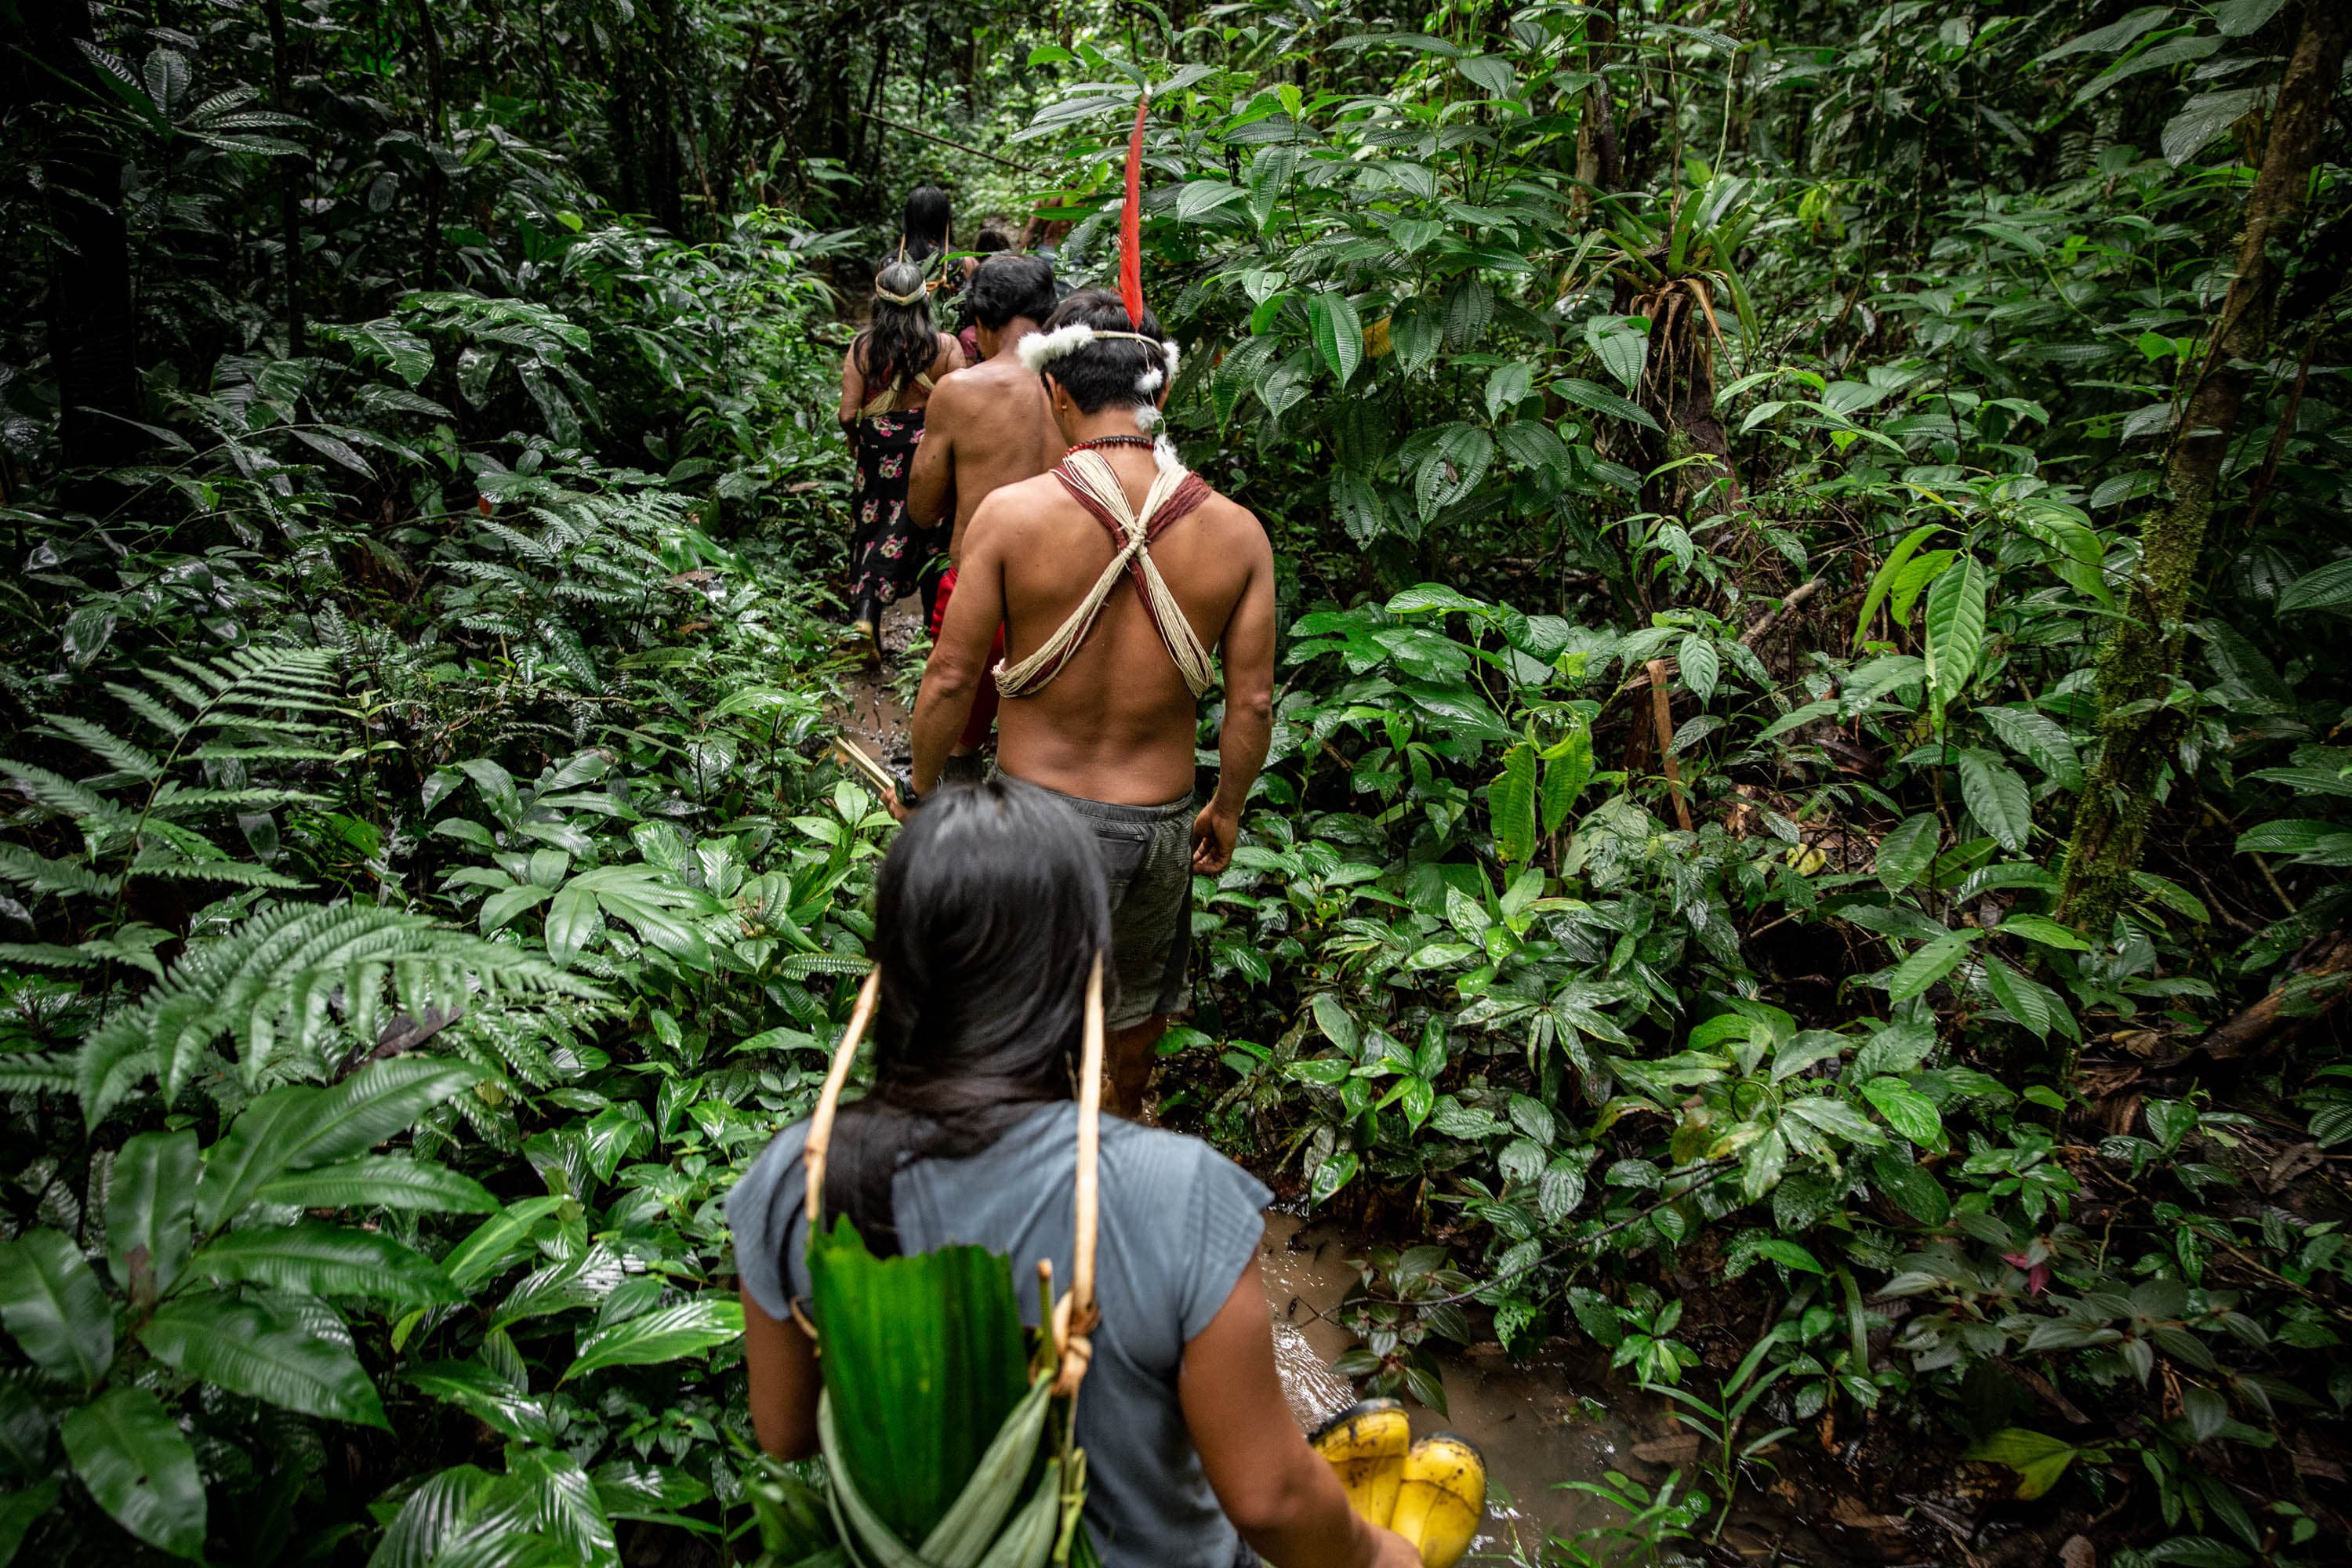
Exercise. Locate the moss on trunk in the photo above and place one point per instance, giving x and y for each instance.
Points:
(2140, 720)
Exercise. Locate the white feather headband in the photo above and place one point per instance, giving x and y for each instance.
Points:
(1039, 350)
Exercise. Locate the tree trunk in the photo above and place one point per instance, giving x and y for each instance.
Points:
(290, 199)
(91, 328)
(2139, 726)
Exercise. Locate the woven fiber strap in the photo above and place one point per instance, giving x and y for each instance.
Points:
(1095, 485)
(1074, 1316)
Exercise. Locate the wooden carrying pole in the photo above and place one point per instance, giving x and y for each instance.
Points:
(1074, 1315)
(857, 757)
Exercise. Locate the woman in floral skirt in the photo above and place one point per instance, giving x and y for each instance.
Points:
(886, 380)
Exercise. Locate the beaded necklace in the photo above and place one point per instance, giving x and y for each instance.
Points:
(1144, 441)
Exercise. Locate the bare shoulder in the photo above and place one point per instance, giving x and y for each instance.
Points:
(1019, 506)
(1235, 524)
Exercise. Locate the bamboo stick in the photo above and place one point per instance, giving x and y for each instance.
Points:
(828, 1099)
(857, 757)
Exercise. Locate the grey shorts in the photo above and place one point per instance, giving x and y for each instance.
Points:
(1147, 853)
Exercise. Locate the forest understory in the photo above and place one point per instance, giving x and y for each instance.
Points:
(1786, 965)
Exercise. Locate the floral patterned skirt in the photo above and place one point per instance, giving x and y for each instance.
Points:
(888, 550)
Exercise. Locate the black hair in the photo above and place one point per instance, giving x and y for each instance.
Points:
(901, 344)
(1009, 286)
(1112, 374)
(923, 229)
(991, 238)
(989, 909)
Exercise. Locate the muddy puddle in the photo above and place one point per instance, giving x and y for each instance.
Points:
(1538, 1424)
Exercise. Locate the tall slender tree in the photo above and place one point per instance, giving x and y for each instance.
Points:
(2141, 719)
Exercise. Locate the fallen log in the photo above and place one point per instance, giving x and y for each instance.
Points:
(2261, 1027)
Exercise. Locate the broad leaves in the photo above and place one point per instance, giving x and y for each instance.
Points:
(52, 1304)
(129, 1452)
(1955, 623)
(246, 1349)
(664, 1335)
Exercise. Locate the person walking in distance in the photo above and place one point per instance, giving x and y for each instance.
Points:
(885, 381)
(986, 427)
(1114, 575)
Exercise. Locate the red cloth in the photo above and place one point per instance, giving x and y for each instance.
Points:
(984, 700)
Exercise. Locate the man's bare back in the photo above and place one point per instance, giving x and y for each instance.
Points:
(988, 426)
(1117, 724)
(992, 424)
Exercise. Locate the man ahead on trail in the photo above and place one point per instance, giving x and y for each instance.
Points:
(1108, 644)
(986, 427)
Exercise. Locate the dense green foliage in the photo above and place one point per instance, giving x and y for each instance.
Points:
(1707, 448)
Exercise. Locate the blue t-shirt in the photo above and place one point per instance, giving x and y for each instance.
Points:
(1178, 1224)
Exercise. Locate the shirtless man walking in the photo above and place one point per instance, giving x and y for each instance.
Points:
(986, 427)
(1108, 654)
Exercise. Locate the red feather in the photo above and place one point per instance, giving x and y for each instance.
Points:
(1130, 225)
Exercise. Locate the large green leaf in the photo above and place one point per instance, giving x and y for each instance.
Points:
(923, 1362)
(666, 1334)
(2328, 588)
(1907, 851)
(19, 1511)
(246, 1349)
(1890, 570)
(498, 1242)
(1511, 803)
(1339, 333)
(151, 1203)
(1955, 623)
(486, 1396)
(297, 1127)
(381, 1180)
(325, 1260)
(51, 1302)
(129, 1452)
(1907, 1111)
(1568, 767)
(1601, 400)
(1997, 797)
(1934, 960)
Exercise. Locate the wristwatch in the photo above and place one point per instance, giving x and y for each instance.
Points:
(910, 797)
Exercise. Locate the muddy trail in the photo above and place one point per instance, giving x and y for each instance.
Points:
(1557, 1418)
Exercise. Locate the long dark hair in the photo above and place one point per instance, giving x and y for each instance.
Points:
(989, 909)
(901, 343)
(923, 229)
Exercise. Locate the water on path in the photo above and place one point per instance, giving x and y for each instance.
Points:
(1557, 1418)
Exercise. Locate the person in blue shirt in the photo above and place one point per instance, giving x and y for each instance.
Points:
(990, 913)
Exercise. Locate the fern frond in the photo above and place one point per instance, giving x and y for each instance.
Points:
(507, 1047)
(45, 956)
(186, 692)
(171, 723)
(36, 1072)
(272, 983)
(237, 873)
(60, 795)
(172, 801)
(42, 875)
(126, 759)
(801, 966)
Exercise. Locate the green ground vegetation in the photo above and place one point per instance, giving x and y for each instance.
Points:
(1804, 851)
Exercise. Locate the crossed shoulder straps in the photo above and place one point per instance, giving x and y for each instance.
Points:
(1175, 492)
